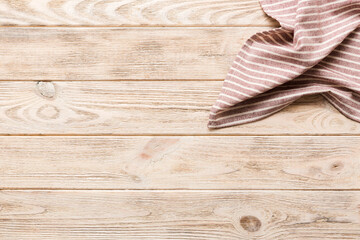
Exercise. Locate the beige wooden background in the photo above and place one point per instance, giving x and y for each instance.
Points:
(103, 113)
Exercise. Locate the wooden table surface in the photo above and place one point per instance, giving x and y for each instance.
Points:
(103, 113)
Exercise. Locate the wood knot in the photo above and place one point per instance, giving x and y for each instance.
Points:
(337, 166)
(250, 223)
(46, 89)
(48, 112)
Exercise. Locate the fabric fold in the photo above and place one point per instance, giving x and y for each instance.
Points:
(316, 50)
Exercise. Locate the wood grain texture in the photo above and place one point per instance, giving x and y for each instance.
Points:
(180, 162)
(159, 57)
(147, 107)
(133, 13)
(119, 53)
(228, 215)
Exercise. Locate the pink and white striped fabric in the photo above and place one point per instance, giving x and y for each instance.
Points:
(316, 50)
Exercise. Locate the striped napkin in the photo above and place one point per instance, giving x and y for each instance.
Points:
(316, 50)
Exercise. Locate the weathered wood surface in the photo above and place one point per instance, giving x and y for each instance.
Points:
(133, 13)
(180, 162)
(119, 53)
(159, 56)
(227, 215)
(147, 107)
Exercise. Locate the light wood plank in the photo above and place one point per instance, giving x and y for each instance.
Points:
(147, 107)
(183, 215)
(133, 13)
(180, 162)
(119, 53)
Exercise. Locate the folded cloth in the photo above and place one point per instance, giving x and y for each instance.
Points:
(316, 50)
